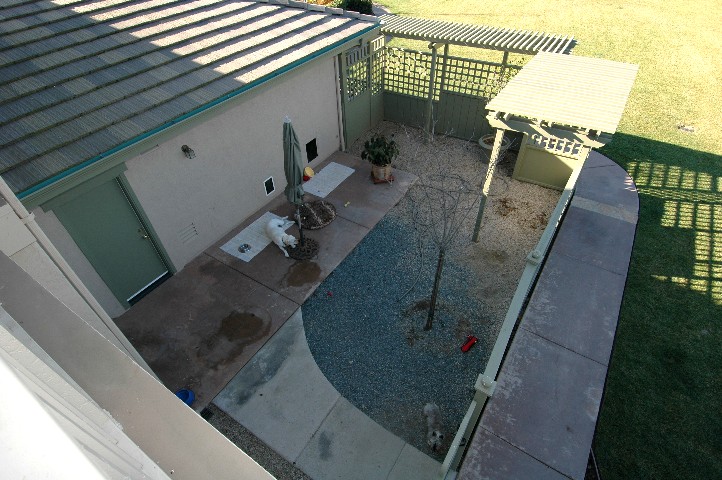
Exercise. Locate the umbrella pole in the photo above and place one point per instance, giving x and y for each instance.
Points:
(300, 226)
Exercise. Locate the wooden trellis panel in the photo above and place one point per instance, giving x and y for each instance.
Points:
(461, 89)
(362, 83)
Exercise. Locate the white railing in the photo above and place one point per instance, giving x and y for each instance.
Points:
(486, 382)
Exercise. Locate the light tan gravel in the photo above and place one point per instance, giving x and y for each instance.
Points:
(515, 216)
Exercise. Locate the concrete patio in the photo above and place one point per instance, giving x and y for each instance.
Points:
(199, 328)
(232, 331)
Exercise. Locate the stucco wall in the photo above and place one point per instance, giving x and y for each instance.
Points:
(192, 203)
(170, 433)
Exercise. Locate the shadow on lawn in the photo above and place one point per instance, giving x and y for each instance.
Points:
(662, 414)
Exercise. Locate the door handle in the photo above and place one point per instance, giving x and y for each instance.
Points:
(143, 234)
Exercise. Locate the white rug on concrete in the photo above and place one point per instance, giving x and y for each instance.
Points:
(254, 235)
(327, 179)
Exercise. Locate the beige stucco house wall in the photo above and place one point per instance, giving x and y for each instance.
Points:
(192, 203)
(236, 151)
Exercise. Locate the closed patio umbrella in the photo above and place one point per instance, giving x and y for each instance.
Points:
(292, 164)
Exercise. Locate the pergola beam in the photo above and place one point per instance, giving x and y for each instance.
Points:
(478, 36)
(584, 136)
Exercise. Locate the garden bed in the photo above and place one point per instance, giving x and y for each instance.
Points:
(364, 324)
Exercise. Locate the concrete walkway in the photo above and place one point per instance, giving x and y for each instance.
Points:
(284, 399)
(232, 330)
(540, 422)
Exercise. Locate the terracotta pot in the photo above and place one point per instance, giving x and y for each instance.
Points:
(381, 172)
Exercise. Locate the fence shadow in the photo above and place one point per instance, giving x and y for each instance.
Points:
(666, 365)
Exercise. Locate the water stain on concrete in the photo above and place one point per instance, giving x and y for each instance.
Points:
(240, 325)
(236, 331)
(302, 273)
(324, 446)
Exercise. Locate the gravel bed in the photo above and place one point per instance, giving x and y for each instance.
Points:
(364, 324)
(266, 457)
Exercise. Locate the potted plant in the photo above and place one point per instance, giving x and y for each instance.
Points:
(380, 152)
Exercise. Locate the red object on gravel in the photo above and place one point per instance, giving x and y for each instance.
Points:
(470, 341)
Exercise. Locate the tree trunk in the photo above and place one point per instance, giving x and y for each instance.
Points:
(435, 291)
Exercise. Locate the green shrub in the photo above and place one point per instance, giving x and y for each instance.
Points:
(361, 6)
(379, 150)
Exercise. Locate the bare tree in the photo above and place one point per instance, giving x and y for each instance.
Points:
(440, 202)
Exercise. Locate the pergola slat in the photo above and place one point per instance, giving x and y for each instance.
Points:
(531, 40)
(581, 92)
(480, 36)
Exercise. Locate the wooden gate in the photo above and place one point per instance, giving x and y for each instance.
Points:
(362, 88)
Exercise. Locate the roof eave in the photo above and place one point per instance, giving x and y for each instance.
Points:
(58, 183)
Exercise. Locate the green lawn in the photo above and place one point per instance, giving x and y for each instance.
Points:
(662, 414)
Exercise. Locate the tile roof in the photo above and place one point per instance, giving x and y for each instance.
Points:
(82, 79)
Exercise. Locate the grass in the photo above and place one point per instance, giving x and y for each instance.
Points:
(662, 413)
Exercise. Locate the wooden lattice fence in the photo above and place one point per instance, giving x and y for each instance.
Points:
(461, 89)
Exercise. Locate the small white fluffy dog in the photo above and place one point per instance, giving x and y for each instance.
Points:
(434, 437)
(275, 230)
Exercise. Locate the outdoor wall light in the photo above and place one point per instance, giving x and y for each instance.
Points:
(188, 151)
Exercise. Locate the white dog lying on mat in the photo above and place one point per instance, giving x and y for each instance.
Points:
(275, 230)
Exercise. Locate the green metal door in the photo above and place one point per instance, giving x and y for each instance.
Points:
(107, 229)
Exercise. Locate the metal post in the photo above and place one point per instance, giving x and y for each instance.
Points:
(493, 160)
(301, 238)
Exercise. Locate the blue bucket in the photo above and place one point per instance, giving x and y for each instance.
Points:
(186, 395)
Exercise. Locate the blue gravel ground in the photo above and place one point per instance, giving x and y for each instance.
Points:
(364, 325)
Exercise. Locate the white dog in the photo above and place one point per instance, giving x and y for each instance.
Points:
(434, 437)
(275, 230)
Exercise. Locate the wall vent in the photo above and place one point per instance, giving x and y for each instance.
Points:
(269, 186)
(311, 150)
(188, 233)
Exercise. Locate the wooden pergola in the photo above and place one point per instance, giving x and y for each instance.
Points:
(441, 33)
(480, 36)
(564, 105)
